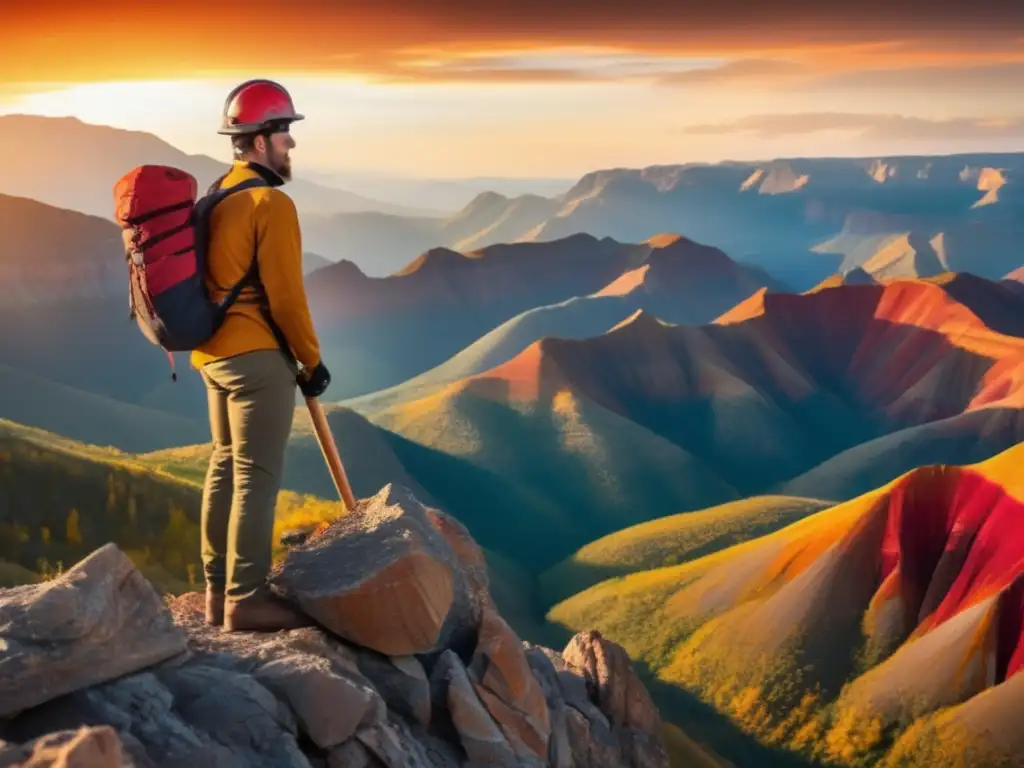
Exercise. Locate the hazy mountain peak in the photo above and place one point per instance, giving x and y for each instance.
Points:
(483, 204)
(344, 269)
(434, 259)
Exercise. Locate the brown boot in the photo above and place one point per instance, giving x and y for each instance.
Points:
(263, 613)
(214, 606)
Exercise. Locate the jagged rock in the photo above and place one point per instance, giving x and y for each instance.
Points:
(237, 714)
(559, 748)
(474, 565)
(99, 620)
(382, 577)
(97, 747)
(401, 681)
(506, 685)
(575, 694)
(317, 676)
(315, 696)
(181, 716)
(614, 685)
(329, 706)
(455, 696)
(594, 750)
(352, 754)
(396, 744)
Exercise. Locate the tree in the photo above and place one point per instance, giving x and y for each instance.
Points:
(73, 533)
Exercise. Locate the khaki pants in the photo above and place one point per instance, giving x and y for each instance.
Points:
(252, 403)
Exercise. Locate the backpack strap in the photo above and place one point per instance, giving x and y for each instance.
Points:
(251, 278)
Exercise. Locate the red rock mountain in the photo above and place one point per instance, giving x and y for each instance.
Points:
(899, 613)
(782, 383)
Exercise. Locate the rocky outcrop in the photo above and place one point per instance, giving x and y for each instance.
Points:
(385, 578)
(57, 636)
(410, 665)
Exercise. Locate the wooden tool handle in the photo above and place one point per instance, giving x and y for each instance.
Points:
(330, 451)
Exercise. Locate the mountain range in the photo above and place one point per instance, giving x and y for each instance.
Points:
(68, 163)
(824, 394)
(65, 269)
(758, 422)
(800, 218)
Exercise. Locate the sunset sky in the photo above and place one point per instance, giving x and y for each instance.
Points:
(413, 87)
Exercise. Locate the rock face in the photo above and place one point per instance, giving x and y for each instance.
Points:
(412, 666)
(383, 577)
(100, 621)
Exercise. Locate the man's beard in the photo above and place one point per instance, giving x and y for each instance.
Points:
(282, 166)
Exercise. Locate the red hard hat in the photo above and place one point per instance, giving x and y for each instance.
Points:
(251, 106)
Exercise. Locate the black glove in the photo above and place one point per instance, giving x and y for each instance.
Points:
(314, 382)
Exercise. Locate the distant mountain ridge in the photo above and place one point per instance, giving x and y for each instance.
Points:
(68, 163)
(799, 218)
(788, 216)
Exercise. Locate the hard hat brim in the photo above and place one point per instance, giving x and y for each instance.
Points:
(241, 128)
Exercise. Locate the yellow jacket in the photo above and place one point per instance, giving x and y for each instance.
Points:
(269, 214)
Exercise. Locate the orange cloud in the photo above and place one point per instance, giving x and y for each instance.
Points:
(50, 40)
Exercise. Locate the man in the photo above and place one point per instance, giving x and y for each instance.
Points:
(250, 364)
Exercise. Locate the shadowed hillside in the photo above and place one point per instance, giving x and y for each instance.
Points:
(884, 631)
(60, 498)
(671, 540)
(386, 330)
(679, 280)
(50, 254)
(506, 498)
(774, 388)
(72, 359)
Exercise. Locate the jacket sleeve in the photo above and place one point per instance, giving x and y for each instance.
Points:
(280, 260)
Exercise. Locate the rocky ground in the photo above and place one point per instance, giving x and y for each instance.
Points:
(410, 664)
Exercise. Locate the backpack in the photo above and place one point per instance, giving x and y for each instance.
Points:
(166, 230)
